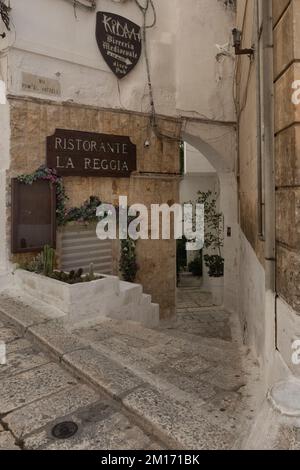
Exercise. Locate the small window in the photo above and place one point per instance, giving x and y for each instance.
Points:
(33, 216)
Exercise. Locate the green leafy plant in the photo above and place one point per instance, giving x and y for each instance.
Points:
(128, 264)
(195, 266)
(44, 173)
(84, 213)
(43, 263)
(35, 265)
(76, 277)
(215, 264)
(214, 233)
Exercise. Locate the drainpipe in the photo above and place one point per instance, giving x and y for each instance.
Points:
(268, 145)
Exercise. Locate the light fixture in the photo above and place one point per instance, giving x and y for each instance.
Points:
(237, 40)
(88, 4)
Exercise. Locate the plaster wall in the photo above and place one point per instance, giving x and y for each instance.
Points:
(48, 39)
(190, 185)
(196, 163)
(192, 66)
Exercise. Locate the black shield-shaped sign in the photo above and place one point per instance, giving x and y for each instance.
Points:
(119, 41)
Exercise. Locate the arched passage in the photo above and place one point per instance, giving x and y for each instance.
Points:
(218, 145)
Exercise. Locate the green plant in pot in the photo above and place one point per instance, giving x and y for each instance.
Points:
(214, 234)
(215, 265)
(195, 266)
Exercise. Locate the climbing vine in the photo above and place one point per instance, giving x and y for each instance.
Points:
(128, 264)
(44, 173)
(85, 213)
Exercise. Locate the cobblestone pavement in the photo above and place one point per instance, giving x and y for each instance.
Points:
(36, 393)
(191, 383)
(191, 298)
(195, 319)
(197, 362)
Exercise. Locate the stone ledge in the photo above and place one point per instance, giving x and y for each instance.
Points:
(163, 416)
(22, 316)
(101, 371)
(52, 335)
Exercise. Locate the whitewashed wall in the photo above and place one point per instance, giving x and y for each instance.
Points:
(190, 78)
(49, 40)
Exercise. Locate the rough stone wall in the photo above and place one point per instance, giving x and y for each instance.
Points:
(247, 86)
(156, 179)
(287, 145)
(251, 271)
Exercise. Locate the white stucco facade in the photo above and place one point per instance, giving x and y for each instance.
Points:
(191, 64)
(49, 39)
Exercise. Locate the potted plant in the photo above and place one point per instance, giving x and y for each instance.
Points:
(213, 243)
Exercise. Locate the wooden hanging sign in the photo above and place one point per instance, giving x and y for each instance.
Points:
(119, 41)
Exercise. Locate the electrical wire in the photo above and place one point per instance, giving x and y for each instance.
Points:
(153, 117)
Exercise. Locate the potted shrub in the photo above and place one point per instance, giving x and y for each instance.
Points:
(195, 266)
(213, 242)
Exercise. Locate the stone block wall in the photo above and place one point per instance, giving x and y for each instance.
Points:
(155, 182)
(251, 289)
(287, 149)
(247, 86)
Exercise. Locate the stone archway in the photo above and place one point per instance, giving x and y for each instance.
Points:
(218, 144)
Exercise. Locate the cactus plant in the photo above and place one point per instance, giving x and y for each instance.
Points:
(48, 260)
(73, 277)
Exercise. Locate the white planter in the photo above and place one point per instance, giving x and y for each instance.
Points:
(106, 297)
(88, 298)
(216, 285)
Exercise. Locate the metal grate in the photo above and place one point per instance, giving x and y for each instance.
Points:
(79, 247)
(64, 430)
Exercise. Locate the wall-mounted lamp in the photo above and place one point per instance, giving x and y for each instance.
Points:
(88, 4)
(237, 40)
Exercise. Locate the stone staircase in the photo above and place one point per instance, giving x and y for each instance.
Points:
(169, 384)
(107, 297)
(136, 306)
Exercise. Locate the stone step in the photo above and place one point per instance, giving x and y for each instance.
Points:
(139, 309)
(151, 407)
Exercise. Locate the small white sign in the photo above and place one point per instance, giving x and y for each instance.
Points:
(2, 92)
(296, 354)
(42, 85)
(2, 353)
